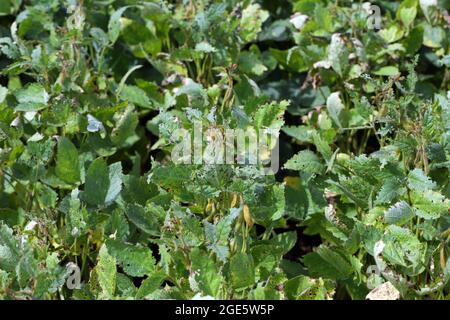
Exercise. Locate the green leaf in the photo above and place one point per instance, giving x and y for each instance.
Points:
(387, 71)
(171, 176)
(430, 205)
(407, 12)
(9, 249)
(338, 55)
(305, 161)
(136, 95)
(114, 24)
(115, 182)
(124, 132)
(150, 285)
(11, 217)
(97, 182)
(142, 218)
(298, 287)
(328, 263)
(217, 234)
(286, 241)
(124, 286)
(433, 37)
(392, 34)
(300, 133)
(136, 261)
(391, 189)
(31, 98)
(251, 21)
(250, 63)
(67, 161)
(322, 147)
(403, 248)
(399, 214)
(266, 203)
(106, 273)
(46, 196)
(266, 257)
(418, 181)
(137, 190)
(206, 273)
(323, 18)
(270, 115)
(8, 7)
(242, 271)
(103, 183)
(3, 93)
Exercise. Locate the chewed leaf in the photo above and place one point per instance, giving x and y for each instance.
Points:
(418, 181)
(399, 214)
(136, 261)
(430, 205)
(306, 161)
(106, 273)
(252, 19)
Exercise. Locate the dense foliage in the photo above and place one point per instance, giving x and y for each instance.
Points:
(91, 92)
